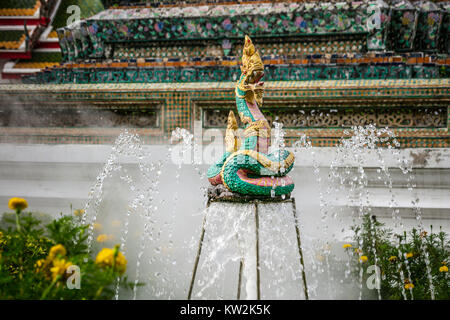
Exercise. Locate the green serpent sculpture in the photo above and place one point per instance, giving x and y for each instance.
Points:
(247, 168)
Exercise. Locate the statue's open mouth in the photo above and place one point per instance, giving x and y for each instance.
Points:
(254, 79)
(259, 76)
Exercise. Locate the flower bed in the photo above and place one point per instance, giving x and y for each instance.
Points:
(412, 265)
(52, 261)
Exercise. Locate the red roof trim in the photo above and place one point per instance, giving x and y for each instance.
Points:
(19, 22)
(12, 75)
(15, 55)
(46, 45)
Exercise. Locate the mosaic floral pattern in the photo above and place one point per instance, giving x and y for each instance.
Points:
(370, 18)
(294, 115)
(428, 26)
(181, 103)
(401, 26)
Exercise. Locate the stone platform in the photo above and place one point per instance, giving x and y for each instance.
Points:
(220, 193)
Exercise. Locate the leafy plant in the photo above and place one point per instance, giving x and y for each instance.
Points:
(413, 265)
(53, 262)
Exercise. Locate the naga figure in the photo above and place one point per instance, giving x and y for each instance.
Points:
(246, 167)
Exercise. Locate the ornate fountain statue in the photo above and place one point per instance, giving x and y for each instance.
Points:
(247, 167)
(249, 174)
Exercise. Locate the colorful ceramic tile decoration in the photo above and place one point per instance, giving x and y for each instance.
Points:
(158, 65)
(11, 39)
(428, 26)
(297, 41)
(247, 167)
(19, 7)
(403, 25)
(373, 19)
(400, 104)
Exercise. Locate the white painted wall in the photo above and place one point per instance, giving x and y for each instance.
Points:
(51, 177)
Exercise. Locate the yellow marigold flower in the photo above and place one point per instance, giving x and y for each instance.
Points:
(40, 264)
(409, 286)
(59, 267)
(97, 226)
(443, 269)
(357, 250)
(106, 258)
(79, 212)
(392, 258)
(363, 258)
(17, 204)
(409, 255)
(102, 238)
(57, 250)
(347, 245)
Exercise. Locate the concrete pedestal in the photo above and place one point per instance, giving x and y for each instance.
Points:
(250, 263)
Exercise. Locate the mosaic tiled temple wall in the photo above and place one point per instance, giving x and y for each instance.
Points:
(417, 110)
(297, 40)
(328, 66)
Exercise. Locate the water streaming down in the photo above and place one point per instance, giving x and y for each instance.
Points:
(231, 238)
(278, 146)
(350, 181)
(123, 206)
(160, 249)
(280, 261)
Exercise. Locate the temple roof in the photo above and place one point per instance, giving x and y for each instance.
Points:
(411, 36)
(40, 49)
(17, 8)
(22, 22)
(39, 60)
(204, 11)
(11, 39)
(260, 19)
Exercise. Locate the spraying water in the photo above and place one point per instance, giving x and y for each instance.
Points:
(152, 241)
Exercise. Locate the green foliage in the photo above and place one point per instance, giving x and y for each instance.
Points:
(403, 260)
(66, 232)
(28, 270)
(87, 9)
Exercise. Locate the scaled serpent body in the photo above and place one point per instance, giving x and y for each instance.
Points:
(247, 168)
